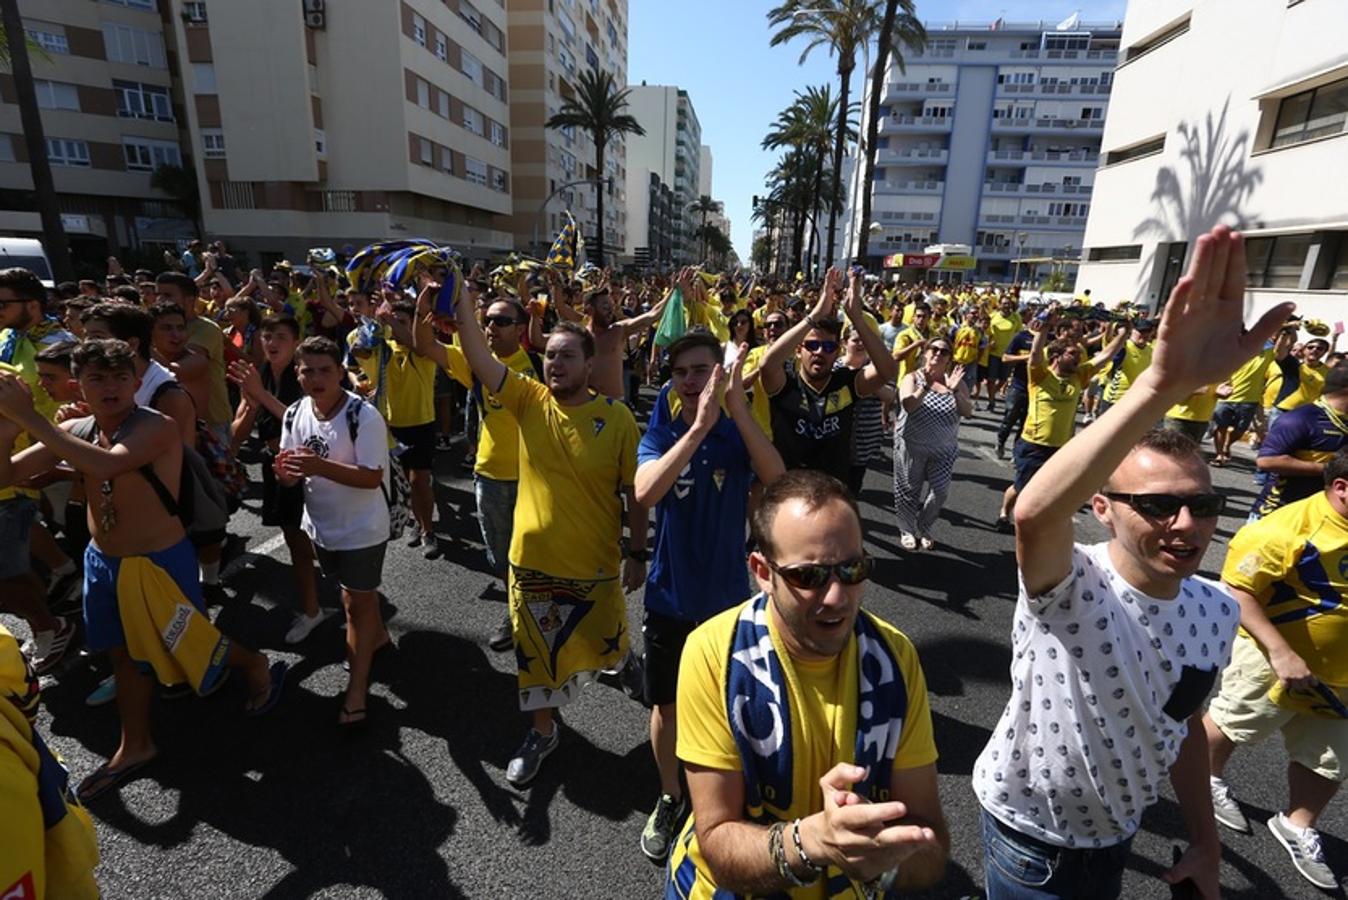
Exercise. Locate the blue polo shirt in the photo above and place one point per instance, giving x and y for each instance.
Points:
(1313, 433)
(698, 565)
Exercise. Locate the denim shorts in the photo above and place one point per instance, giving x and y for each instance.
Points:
(1029, 459)
(496, 516)
(1018, 867)
(1238, 416)
(17, 515)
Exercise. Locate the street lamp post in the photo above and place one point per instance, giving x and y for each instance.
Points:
(1021, 238)
(543, 207)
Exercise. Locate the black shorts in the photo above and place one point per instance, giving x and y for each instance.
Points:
(355, 570)
(1029, 459)
(420, 443)
(1237, 416)
(997, 370)
(664, 637)
(282, 507)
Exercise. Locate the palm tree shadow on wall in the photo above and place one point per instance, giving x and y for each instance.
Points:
(1217, 182)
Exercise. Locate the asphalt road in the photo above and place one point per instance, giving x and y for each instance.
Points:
(418, 805)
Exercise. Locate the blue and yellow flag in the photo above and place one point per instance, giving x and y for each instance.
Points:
(567, 247)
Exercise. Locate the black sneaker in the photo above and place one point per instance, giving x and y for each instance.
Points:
(1005, 525)
(1001, 451)
(502, 638)
(524, 765)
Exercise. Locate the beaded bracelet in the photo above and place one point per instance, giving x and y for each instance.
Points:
(777, 849)
(816, 870)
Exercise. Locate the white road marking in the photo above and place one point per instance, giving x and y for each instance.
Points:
(263, 549)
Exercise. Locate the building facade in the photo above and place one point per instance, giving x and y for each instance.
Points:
(1262, 148)
(342, 122)
(671, 148)
(991, 138)
(551, 43)
(110, 118)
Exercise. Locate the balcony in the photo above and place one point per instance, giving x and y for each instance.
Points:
(1047, 188)
(1003, 187)
(893, 124)
(909, 187)
(1057, 157)
(1053, 90)
(909, 89)
(911, 157)
(902, 219)
(1103, 56)
(1047, 124)
(992, 220)
(903, 246)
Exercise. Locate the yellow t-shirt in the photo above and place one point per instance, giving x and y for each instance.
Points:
(1247, 382)
(498, 438)
(28, 373)
(409, 395)
(869, 319)
(204, 333)
(904, 339)
(1197, 407)
(1052, 414)
(966, 345)
(760, 404)
(1309, 388)
(574, 461)
(1001, 329)
(827, 693)
(1272, 383)
(1135, 361)
(1293, 562)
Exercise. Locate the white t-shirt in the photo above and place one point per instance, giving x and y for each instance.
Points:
(338, 517)
(1104, 679)
(155, 375)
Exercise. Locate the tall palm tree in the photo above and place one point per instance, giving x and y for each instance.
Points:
(896, 32)
(15, 56)
(843, 27)
(598, 108)
(706, 206)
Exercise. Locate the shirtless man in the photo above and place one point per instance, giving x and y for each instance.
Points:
(610, 335)
(171, 350)
(132, 458)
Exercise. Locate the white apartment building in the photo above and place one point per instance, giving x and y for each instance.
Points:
(1226, 111)
(551, 43)
(671, 149)
(991, 138)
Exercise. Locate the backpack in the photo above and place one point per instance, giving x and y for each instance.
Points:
(398, 492)
(201, 506)
(230, 478)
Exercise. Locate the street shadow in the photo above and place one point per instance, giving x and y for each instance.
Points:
(951, 662)
(959, 743)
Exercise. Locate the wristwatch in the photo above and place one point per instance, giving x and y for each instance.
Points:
(880, 886)
(641, 556)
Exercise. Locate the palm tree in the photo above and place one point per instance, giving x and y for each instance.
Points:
(598, 108)
(844, 27)
(15, 56)
(706, 206)
(180, 183)
(895, 32)
(806, 126)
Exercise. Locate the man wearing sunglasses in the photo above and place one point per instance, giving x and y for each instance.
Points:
(812, 407)
(496, 467)
(775, 325)
(1289, 667)
(802, 770)
(1116, 645)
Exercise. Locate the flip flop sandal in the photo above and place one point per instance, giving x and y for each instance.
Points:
(352, 723)
(104, 780)
(278, 680)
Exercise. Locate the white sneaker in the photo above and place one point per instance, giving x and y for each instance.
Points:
(1225, 808)
(303, 626)
(907, 541)
(1303, 845)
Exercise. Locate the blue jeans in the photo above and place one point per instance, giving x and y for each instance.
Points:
(1013, 419)
(1018, 867)
(17, 515)
(496, 515)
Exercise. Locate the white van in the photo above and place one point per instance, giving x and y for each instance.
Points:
(28, 253)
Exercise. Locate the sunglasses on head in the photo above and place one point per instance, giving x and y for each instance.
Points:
(501, 321)
(1167, 506)
(817, 346)
(812, 576)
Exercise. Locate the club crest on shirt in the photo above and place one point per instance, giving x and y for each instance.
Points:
(718, 476)
(598, 425)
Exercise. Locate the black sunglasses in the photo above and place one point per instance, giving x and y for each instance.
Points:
(943, 351)
(812, 576)
(774, 323)
(501, 321)
(825, 346)
(1167, 506)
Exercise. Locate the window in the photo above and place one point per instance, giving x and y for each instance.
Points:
(203, 78)
(146, 155)
(320, 142)
(1092, 112)
(427, 152)
(1276, 262)
(498, 181)
(133, 4)
(1067, 41)
(470, 15)
(195, 11)
(212, 143)
(474, 170)
(1114, 254)
(471, 66)
(568, 27)
(423, 94)
(6, 148)
(419, 30)
(51, 38)
(1312, 114)
(447, 160)
(62, 152)
(441, 47)
(1338, 279)
(56, 95)
(143, 101)
(498, 134)
(444, 104)
(977, 45)
(135, 46)
(1160, 38)
(1136, 151)
(472, 120)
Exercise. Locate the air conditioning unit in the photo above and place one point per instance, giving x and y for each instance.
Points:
(315, 6)
(316, 13)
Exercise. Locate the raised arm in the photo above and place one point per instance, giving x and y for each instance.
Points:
(640, 323)
(772, 368)
(424, 341)
(1110, 349)
(883, 367)
(1202, 339)
(763, 456)
(488, 369)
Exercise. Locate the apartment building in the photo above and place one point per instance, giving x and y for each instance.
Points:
(671, 148)
(991, 138)
(104, 85)
(339, 122)
(551, 43)
(1226, 111)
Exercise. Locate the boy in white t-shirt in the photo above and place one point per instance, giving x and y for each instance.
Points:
(1117, 645)
(337, 444)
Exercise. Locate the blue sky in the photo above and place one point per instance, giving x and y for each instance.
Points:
(718, 51)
